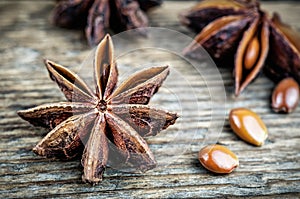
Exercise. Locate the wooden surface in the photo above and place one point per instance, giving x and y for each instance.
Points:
(27, 37)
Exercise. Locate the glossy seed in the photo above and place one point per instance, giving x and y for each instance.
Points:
(248, 126)
(218, 159)
(252, 53)
(285, 97)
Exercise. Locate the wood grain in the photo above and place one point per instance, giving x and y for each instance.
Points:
(27, 38)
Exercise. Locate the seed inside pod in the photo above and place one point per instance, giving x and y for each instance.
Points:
(252, 53)
(285, 97)
(218, 159)
(248, 126)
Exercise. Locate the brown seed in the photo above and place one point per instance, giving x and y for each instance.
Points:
(218, 159)
(252, 53)
(248, 126)
(285, 96)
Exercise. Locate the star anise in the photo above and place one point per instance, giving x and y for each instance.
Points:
(97, 16)
(101, 122)
(242, 29)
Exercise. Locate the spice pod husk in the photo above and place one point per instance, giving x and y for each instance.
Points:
(252, 52)
(219, 37)
(204, 12)
(284, 53)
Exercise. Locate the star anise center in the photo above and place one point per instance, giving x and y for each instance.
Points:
(102, 106)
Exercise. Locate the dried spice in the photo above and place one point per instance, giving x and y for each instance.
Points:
(97, 16)
(200, 15)
(248, 126)
(246, 34)
(109, 119)
(286, 95)
(218, 159)
(284, 55)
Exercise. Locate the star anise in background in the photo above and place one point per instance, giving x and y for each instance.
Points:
(101, 123)
(239, 33)
(98, 16)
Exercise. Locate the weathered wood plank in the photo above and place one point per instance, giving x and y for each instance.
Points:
(27, 37)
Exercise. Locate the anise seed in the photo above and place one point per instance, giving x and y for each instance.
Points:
(252, 53)
(218, 159)
(285, 97)
(248, 126)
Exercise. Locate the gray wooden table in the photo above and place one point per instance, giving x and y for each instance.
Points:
(27, 37)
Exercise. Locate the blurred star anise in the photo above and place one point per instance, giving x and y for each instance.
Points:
(242, 29)
(108, 123)
(97, 16)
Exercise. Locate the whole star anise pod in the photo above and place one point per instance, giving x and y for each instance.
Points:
(97, 16)
(242, 29)
(102, 122)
